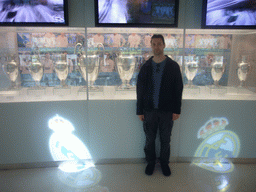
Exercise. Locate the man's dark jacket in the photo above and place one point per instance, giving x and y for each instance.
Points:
(170, 93)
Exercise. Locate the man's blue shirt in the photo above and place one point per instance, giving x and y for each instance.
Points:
(158, 69)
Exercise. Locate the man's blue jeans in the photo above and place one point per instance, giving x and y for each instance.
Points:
(154, 120)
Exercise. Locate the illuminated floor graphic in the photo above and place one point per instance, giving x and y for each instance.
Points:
(218, 145)
(78, 169)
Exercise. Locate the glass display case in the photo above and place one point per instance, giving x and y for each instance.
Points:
(121, 53)
(40, 64)
(49, 64)
(219, 64)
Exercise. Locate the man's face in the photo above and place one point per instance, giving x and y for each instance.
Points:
(157, 46)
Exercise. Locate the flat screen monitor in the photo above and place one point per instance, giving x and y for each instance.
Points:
(33, 13)
(136, 13)
(229, 14)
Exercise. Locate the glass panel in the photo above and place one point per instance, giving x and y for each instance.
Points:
(121, 53)
(45, 64)
(218, 64)
(40, 64)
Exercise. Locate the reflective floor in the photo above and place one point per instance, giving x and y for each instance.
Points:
(129, 177)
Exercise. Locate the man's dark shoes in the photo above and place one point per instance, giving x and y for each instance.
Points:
(150, 169)
(165, 169)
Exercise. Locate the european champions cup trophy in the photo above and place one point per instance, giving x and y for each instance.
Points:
(92, 68)
(191, 68)
(11, 68)
(125, 67)
(36, 68)
(242, 71)
(217, 70)
(61, 69)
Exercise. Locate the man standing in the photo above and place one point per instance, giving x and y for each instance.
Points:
(159, 94)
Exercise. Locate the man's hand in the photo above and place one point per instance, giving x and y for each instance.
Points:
(175, 116)
(141, 117)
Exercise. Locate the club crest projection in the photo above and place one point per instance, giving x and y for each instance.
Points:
(77, 169)
(218, 144)
(64, 146)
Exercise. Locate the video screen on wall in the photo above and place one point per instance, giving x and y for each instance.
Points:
(33, 12)
(137, 13)
(229, 14)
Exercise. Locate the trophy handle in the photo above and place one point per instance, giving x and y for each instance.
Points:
(79, 52)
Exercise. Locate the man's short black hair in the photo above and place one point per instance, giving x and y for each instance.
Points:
(156, 36)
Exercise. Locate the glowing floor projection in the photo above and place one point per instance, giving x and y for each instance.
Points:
(218, 145)
(78, 169)
(66, 146)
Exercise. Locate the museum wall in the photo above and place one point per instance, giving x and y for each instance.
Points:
(110, 129)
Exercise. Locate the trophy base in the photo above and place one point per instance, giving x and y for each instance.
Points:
(191, 89)
(217, 89)
(62, 91)
(36, 91)
(95, 88)
(126, 88)
(82, 91)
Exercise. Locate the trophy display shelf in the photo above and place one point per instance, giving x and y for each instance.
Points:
(126, 87)
(10, 93)
(217, 89)
(82, 91)
(109, 92)
(112, 93)
(62, 90)
(190, 88)
(36, 91)
(91, 89)
(126, 94)
(244, 90)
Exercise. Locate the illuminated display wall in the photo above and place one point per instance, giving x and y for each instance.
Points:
(218, 131)
(111, 130)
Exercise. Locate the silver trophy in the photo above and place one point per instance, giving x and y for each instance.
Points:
(126, 66)
(243, 71)
(191, 68)
(11, 68)
(61, 68)
(36, 69)
(92, 68)
(217, 69)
